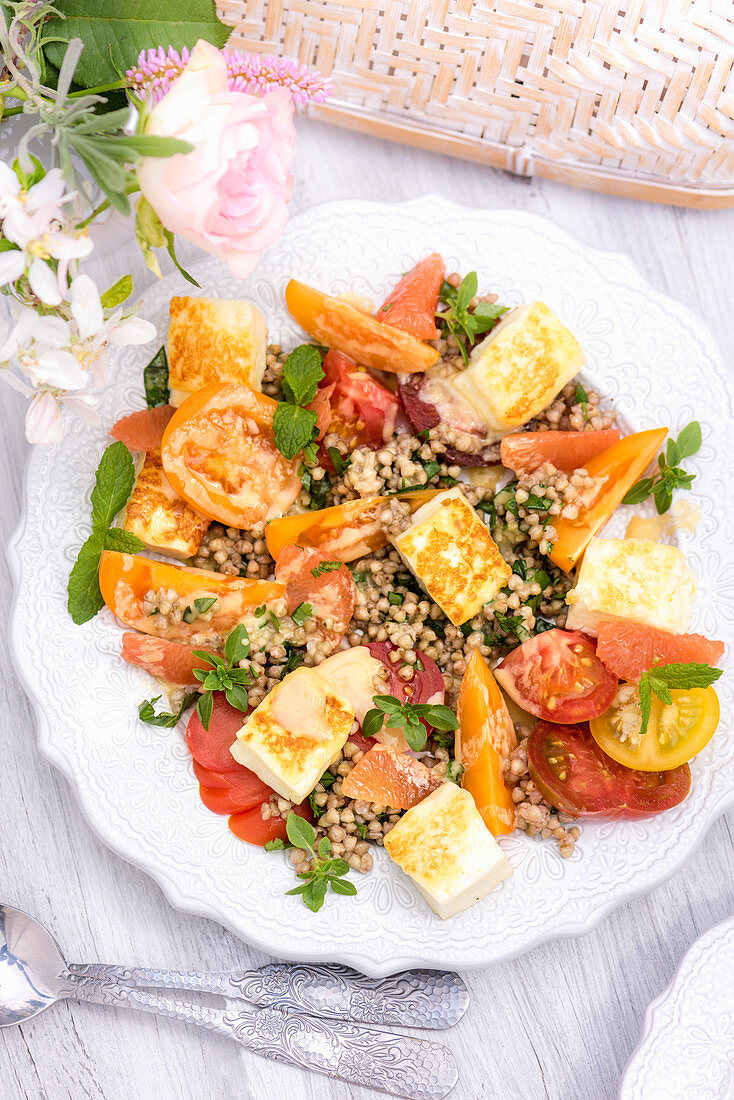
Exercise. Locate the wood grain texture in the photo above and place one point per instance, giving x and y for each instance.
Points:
(558, 1023)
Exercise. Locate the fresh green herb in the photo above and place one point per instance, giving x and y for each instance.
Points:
(419, 664)
(302, 613)
(437, 629)
(407, 716)
(538, 504)
(276, 845)
(512, 624)
(670, 475)
(512, 506)
(274, 619)
(199, 607)
(113, 484)
(431, 469)
(542, 625)
(224, 674)
(361, 829)
(147, 712)
(318, 490)
(260, 611)
(487, 508)
(454, 771)
(661, 678)
(327, 781)
(458, 319)
(294, 427)
(328, 871)
(395, 598)
(294, 658)
(581, 397)
(155, 380)
(339, 461)
(326, 567)
(423, 435)
(466, 629)
(405, 488)
(358, 577)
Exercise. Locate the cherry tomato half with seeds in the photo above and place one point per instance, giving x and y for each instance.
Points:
(579, 779)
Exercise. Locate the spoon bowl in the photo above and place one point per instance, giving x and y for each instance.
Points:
(31, 967)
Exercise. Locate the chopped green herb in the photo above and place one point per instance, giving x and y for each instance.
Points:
(199, 607)
(454, 771)
(581, 397)
(260, 611)
(431, 469)
(339, 461)
(302, 613)
(535, 503)
(395, 598)
(155, 380)
(276, 845)
(294, 658)
(437, 629)
(147, 712)
(466, 629)
(274, 619)
(419, 664)
(326, 567)
(357, 576)
(513, 624)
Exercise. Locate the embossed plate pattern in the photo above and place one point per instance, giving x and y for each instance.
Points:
(687, 1046)
(135, 782)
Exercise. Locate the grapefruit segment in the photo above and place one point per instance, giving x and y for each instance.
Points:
(143, 431)
(524, 452)
(412, 304)
(629, 649)
(311, 578)
(390, 778)
(170, 661)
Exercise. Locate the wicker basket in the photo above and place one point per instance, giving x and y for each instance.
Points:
(632, 98)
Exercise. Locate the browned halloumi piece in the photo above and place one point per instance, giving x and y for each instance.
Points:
(214, 340)
(159, 517)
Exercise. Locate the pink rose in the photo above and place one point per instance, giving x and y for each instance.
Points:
(230, 194)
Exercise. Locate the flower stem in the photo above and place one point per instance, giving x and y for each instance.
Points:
(102, 206)
(101, 88)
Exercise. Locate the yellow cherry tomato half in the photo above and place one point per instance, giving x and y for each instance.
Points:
(676, 731)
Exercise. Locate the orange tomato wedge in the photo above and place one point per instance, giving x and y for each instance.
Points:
(621, 465)
(484, 738)
(219, 454)
(124, 580)
(343, 532)
(367, 341)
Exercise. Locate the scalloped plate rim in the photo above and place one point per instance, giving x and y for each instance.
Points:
(197, 907)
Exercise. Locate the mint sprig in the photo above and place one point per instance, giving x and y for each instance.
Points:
(462, 323)
(294, 427)
(407, 716)
(113, 484)
(148, 713)
(670, 474)
(328, 871)
(660, 679)
(224, 674)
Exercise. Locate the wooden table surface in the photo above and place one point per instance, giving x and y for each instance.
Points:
(559, 1022)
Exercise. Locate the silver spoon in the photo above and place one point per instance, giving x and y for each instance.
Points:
(34, 975)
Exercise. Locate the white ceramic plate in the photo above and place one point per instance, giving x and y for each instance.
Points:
(687, 1046)
(135, 782)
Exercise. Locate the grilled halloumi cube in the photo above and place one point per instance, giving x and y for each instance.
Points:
(214, 340)
(452, 554)
(159, 517)
(636, 580)
(290, 739)
(518, 369)
(448, 851)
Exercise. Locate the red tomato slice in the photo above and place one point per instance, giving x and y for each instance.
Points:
(332, 593)
(363, 412)
(427, 685)
(629, 649)
(251, 826)
(412, 304)
(524, 452)
(171, 661)
(143, 431)
(209, 778)
(243, 785)
(222, 800)
(574, 775)
(211, 747)
(558, 677)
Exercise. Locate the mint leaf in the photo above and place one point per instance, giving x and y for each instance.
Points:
(660, 688)
(300, 832)
(301, 374)
(682, 676)
(204, 708)
(114, 482)
(293, 428)
(373, 722)
(117, 538)
(645, 704)
(415, 733)
(339, 461)
(84, 598)
(155, 380)
(302, 613)
(147, 712)
(118, 292)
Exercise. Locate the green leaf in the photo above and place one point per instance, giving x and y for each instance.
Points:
(645, 703)
(689, 440)
(415, 734)
(339, 461)
(442, 718)
(454, 771)
(148, 714)
(683, 676)
(204, 708)
(581, 397)
(293, 428)
(388, 703)
(276, 845)
(300, 832)
(114, 33)
(536, 503)
(199, 607)
(118, 292)
(338, 867)
(326, 567)
(84, 598)
(155, 380)
(373, 722)
(430, 469)
(294, 658)
(27, 179)
(488, 314)
(237, 697)
(171, 249)
(339, 886)
(114, 482)
(313, 896)
(237, 645)
(324, 847)
(672, 453)
(124, 541)
(302, 613)
(301, 374)
(663, 497)
(640, 491)
(466, 292)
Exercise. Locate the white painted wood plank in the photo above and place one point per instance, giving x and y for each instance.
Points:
(559, 1022)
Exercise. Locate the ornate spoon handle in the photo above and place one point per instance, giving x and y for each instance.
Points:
(417, 998)
(402, 1066)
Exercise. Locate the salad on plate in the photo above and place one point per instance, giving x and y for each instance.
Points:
(373, 569)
